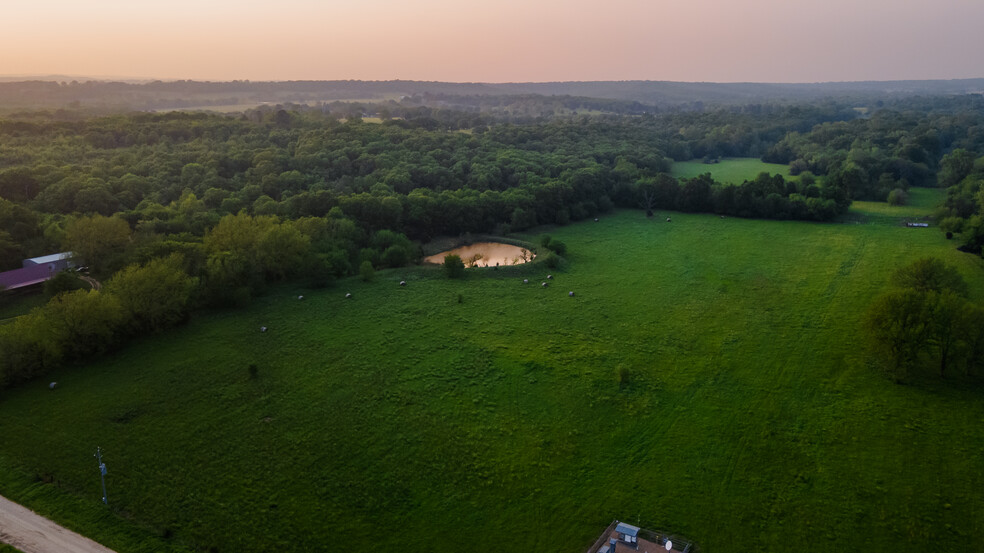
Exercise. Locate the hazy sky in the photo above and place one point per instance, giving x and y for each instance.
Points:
(496, 40)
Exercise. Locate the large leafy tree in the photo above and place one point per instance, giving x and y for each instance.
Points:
(83, 322)
(930, 274)
(947, 318)
(153, 296)
(98, 241)
(28, 348)
(955, 167)
(897, 325)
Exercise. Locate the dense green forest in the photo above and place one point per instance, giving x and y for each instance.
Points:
(220, 205)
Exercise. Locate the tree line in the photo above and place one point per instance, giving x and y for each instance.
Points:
(221, 206)
(962, 213)
(155, 283)
(176, 173)
(891, 149)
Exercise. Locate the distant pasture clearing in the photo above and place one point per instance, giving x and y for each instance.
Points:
(730, 170)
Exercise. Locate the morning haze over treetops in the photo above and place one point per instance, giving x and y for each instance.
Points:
(496, 41)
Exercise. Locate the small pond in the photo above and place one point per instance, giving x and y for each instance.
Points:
(486, 254)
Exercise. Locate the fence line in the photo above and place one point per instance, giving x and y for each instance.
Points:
(603, 539)
(659, 537)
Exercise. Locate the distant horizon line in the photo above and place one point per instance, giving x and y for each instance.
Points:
(145, 80)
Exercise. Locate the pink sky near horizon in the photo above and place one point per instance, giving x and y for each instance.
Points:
(496, 41)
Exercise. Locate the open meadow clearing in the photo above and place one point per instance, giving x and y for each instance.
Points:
(708, 378)
(730, 170)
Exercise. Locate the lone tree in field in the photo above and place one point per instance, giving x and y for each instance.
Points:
(930, 274)
(928, 312)
(453, 266)
(897, 325)
(646, 189)
(949, 314)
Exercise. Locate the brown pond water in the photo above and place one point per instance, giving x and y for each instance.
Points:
(486, 254)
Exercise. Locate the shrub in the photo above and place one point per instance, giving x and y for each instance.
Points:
(897, 197)
(395, 256)
(623, 376)
(559, 247)
(64, 281)
(366, 272)
(556, 245)
(551, 260)
(453, 266)
(951, 224)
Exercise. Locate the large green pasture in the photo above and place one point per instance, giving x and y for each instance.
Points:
(730, 170)
(403, 420)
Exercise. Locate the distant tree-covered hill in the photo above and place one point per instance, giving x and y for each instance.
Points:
(52, 92)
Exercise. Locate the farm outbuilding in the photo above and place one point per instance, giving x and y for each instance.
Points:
(55, 262)
(620, 537)
(36, 270)
(628, 534)
(19, 278)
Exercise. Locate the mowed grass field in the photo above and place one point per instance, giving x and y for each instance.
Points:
(730, 170)
(403, 420)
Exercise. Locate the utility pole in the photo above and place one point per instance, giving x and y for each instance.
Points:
(102, 472)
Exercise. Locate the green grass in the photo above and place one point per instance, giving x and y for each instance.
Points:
(4, 548)
(44, 493)
(19, 304)
(922, 202)
(403, 420)
(730, 170)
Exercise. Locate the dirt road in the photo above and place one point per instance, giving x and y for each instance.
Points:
(95, 284)
(32, 533)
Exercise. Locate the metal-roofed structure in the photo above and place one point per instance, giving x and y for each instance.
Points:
(19, 278)
(620, 537)
(627, 533)
(36, 270)
(58, 258)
